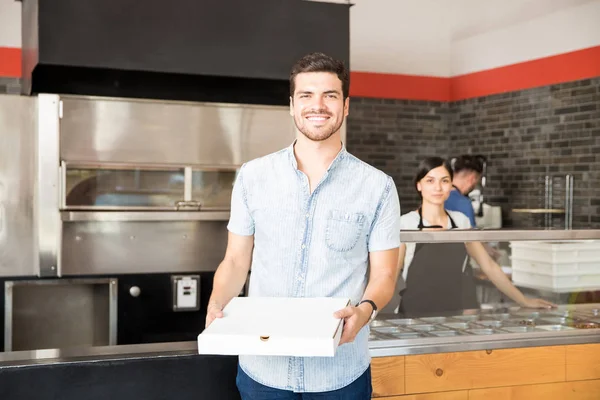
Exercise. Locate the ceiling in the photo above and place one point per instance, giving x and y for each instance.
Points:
(473, 17)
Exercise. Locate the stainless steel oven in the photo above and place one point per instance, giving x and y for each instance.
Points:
(132, 190)
(104, 185)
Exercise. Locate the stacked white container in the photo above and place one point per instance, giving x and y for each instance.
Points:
(557, 266)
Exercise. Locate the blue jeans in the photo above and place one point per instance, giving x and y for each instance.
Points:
(360, 389)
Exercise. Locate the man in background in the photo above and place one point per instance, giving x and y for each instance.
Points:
(468, 170)
(467, 173)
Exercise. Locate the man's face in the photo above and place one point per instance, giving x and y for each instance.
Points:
(318, 105)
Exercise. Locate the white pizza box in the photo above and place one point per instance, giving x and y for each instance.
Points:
(275, 326)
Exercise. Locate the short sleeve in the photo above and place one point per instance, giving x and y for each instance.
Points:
(409, 222)
(466, 223)
(467, 210)
(460, 203)
(385, 231)
(461, 220)
(471, 218)
(240, 219)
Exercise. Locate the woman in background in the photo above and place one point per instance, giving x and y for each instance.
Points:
(435, 272)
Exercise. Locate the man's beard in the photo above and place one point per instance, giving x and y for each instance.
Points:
(317, 134)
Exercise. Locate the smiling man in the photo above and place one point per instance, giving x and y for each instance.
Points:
(313, 221)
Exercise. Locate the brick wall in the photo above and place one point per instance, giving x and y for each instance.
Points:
(395, 135)
(552, 130)
(526, 135)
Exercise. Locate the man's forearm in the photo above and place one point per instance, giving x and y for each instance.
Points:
(384, 267)
(380, 290)
(228, 282)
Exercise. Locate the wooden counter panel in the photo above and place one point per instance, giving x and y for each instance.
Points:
(583, 362)
(461, 395)
(387, 376)
(581, 390)
(482, 369)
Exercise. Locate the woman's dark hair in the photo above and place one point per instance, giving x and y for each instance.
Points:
(319, 62)
(427, 165)
(468, 162)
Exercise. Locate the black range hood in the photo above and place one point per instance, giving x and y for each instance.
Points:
(200, 50)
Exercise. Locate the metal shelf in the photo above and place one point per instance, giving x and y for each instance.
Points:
(539, 210)
(499, 235)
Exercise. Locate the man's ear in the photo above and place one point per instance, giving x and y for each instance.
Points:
(291, 106)
(346, 106)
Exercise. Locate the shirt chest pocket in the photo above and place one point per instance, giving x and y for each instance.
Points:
(343, 230)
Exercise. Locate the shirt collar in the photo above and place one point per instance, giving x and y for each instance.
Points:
(340, 156)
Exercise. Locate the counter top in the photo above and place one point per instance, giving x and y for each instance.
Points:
(390, 336)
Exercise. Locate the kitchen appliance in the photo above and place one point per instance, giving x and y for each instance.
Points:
(136, 191)
(226, 51)
(111, 186)
(39, 314)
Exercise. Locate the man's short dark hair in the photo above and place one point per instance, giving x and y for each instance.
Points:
(468, 163)
(319, 62)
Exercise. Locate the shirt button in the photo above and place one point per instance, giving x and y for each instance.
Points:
(303, 246)
(307, 215)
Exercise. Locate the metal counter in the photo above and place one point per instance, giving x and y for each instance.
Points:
(390, 336)
(498, 328)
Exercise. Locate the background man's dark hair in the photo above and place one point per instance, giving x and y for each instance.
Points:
(468, 162)
(319, 62)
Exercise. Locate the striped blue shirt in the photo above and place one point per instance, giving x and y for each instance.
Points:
(313, 245)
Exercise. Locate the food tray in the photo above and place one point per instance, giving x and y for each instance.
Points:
(485, 323)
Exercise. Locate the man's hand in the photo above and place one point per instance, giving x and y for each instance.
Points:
(354, 319)
(213, 312)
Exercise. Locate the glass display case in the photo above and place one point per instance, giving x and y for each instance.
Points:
(563, 269)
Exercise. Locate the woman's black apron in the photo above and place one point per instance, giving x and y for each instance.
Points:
(436, 282)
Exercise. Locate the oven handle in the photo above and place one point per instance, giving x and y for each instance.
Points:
(182, 204)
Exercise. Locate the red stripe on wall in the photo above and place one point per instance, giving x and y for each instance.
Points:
(572, 66)
(10, 62)
(397, 86)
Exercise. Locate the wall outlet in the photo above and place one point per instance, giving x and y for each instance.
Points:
(186, 292)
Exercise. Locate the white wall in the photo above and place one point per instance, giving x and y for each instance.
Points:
(10, 23)
(400, 36)
(559, 31)
(474, 17)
